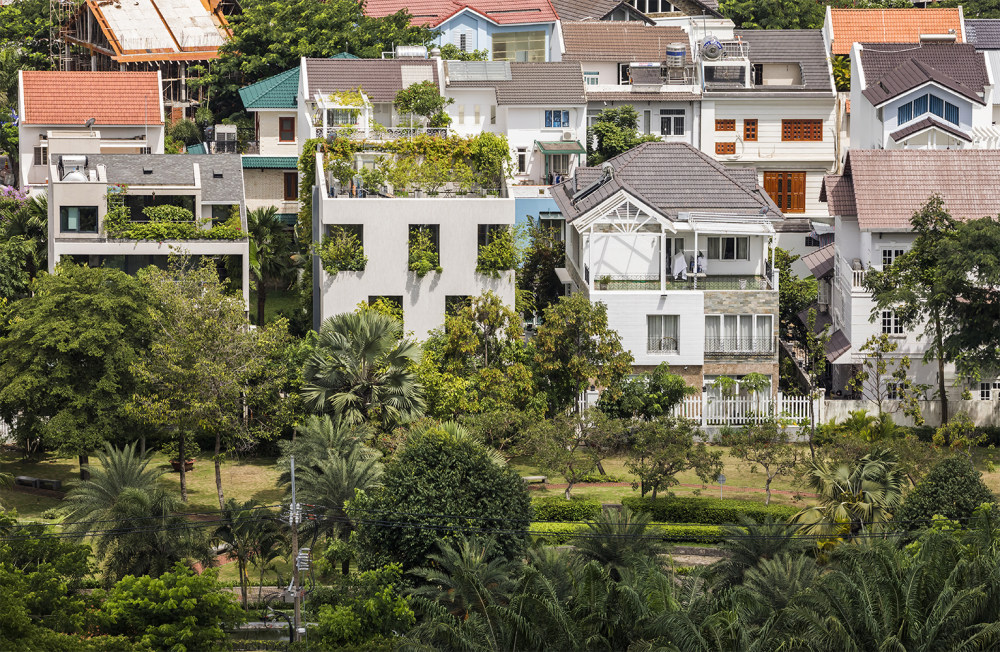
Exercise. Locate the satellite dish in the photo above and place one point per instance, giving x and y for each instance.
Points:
(90, 122)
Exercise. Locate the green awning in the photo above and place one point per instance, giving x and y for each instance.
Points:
(271, 162)
(561, 147)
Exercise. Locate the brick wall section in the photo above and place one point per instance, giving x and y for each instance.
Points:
(739, 302)
(691, 374)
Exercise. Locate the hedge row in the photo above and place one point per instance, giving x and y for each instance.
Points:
(557, 508)
(562, 533)
(708, 511)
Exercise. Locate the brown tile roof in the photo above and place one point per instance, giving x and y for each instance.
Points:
(852, 26)
(820, 262)
(967, 179)
(434, 12)
(894, 69)
(620, 41)
(380, 79)
(671, 178)
(927, 123)
(71, 98)
(838, 192)
(551, 83)
(802, 46)
(984, 33)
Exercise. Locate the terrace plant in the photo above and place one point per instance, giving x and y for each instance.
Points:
(342, 251)
(424, 256)
(498, 255)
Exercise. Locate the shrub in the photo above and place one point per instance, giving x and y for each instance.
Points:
(423, 254)
(498, 255)
(342, 251)
(710, 511)
(953, 488)
(185, 131)
(557, 508)
(558, 534)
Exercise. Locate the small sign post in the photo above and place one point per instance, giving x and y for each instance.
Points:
(721, 480)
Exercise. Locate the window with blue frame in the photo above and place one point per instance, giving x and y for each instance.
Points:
(557, 118)
(924, 104)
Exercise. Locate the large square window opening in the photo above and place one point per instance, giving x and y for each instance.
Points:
(739, 333)
(488, 232)
(729, 248)
(341, 117)
(890, 323)
(286, 130)
(558, 163)
(519, 46)
(78, 219)
(136, 204)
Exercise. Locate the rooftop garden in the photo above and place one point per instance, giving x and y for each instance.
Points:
(165, 222)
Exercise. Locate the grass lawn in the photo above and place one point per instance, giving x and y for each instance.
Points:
(277, 300)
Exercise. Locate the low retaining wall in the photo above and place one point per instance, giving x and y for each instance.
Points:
(982, 413)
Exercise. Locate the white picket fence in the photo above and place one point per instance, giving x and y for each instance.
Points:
(737, 411)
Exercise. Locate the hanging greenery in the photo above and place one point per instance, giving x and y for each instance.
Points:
(498, 254)
(423, 254)
(342, 251)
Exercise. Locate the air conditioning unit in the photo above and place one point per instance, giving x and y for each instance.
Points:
(567, 135)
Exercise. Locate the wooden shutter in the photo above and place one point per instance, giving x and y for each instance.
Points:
(771, 186)
(797, 191)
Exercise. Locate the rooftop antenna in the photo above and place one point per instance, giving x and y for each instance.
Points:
(90, 124)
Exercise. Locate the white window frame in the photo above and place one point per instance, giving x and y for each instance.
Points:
(549, 118)
(891, 325)
(675, 118)
(591, 77)
(663, 345)
(721, 249)
(757, 343)
(989, 391)
(624, 76)
(889, 256)
(522, 160)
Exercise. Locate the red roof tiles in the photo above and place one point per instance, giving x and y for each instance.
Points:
(432, 13)
(71, 98)
(852, 26)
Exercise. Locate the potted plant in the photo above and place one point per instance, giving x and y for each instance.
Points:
(603, 282)
(170, 449)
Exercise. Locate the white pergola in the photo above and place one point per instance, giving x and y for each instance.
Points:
(327, 103)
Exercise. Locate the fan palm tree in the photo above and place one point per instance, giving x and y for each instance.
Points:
(854, 496)
(246, 528)
(361, 370)
(615, 538)
(271, 252)
(130, 517)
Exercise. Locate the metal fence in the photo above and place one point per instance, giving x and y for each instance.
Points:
(718, 346)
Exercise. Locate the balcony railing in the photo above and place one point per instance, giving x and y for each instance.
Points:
(661, 345)
(387, 133)
(651, 282)
(723, 346)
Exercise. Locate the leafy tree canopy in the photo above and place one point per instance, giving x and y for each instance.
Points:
(616, 130)
(649, 395)
(952, 489)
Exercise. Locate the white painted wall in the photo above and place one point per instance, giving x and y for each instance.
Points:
(627, 312)
(267, 133)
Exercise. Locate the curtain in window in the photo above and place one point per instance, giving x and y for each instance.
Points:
(937, 106)
(951, 113)
(729, 248)
(670, 333)
(746, 332)
(904, 113)
(713, 332)
(713, 248)
(654, 331)
(729, 329)
(743, 248)
(764, 331)
(920, 105)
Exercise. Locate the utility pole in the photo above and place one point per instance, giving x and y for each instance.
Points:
(293, 521)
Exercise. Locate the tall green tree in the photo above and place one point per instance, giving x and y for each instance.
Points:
(24, 27)
(68, 359)
(270, 36)
(773, 14)
(953, 488)
(648, 395)
(247, 531)
(615, 130)
(361, 371)
(664, 447)
(537, 283)
(575, 347)
(271, 252)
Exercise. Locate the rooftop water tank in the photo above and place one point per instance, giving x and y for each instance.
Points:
(675, 55)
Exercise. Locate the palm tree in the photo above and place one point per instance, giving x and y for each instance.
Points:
(616, 538)
(854, 496)
(31, 223)
(750, 543)
(246, 528)
(361, 370)
(271, 252)
(130, 517)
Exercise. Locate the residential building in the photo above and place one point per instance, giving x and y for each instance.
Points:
(648, 67)
(676, 246)
(872, 202)
(83, 185)
(142, 36)
(984, 35)
(85, 113)
(270, 168)
(576, 10)
(769, 104)
(842, 28)
(935, 96)
(457, 224)
(511, 30)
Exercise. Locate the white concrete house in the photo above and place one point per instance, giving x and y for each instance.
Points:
(935, 96)
(211, 187)
(873, 228)
(103, 112)
(677, 246)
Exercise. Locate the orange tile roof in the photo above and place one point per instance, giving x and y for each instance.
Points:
(852, 26)
(432, 13)
(71, 98)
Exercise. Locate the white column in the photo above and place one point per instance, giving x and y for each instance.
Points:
(664, 261)
(589, 271)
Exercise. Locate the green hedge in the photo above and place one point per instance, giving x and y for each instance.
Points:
(562, 533)
(557, 508)
(708, 511)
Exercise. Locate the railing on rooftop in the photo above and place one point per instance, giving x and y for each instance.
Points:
(651, 282)
(383, 133)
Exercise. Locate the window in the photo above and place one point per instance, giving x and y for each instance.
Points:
(558, 163)
(672, 122)
(921, 105)
(41, 155)
(461, 114)
(802, 130)
(590, 78)
(904, 113)
(78, 219)
(811, 241)
(396, 302)
(624, 74)
(787, 189)
(434, 230)
(291, 183)
(136, 203)
(286, 130)
(723, 149)
(890, 323)
(729, 248)
(519, 46)
(652, 6)
(145, 150)
(739, 334)
(476, 113)
(951, 113)
(889, 256)
(493, 115)
(758, 74)
(725, 125)
(556, 118)
(661, 331)
(341, 118)
(463, 42)
(522, 160)
(487, 231)
(554, 223)
(989, 391)
(750, 129)
(455, 302)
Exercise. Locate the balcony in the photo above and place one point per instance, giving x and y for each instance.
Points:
(651, 282)
(384, 133)
(730, 346)
(661, 345)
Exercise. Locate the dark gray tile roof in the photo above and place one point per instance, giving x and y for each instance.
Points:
(380, 79)
(837, 346)
(671, 178)
(901, 67)
(550, 83)
(927, 123)
(620, 41)
(838, 193)
(820, 262)
(177, 170)
(571, 10)
(802, 46)
(983, 33)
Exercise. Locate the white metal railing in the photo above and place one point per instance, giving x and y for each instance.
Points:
(387, 133)
(741, 410)
(858, 279)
